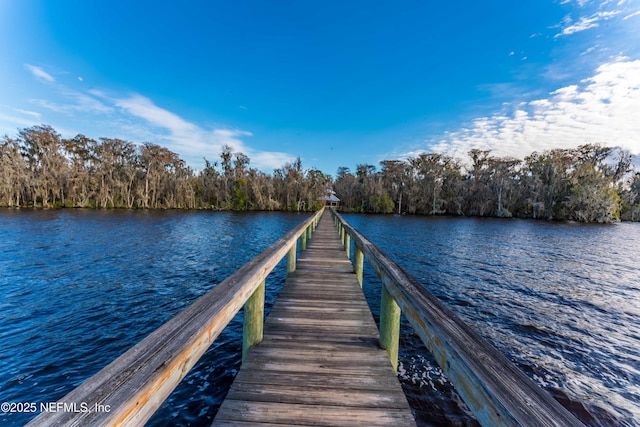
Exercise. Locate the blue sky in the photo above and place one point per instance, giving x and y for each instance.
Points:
(338, 83)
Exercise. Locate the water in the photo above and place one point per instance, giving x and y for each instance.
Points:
(561, 300)
(78, 288)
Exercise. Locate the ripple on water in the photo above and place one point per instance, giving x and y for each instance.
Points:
(78, 288)
(561, 301)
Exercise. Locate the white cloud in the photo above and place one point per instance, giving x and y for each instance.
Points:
(143, 107)
(586, 23)
(39, 73)
(582, 25)
(137, 117)
(33, 114)
(192, 142)
(80, 103)
(632, 15)
(581, 3)
(602, 108)
(9, 123)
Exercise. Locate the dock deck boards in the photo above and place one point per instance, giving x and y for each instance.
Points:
(320, 362)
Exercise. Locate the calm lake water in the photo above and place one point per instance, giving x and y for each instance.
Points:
(78, 288)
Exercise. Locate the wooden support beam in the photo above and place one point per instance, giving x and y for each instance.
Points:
(253, 326)
(389, 326)
(303, 241)
(291, 259)
(347, 244)
(358, 263)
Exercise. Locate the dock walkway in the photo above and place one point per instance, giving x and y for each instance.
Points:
(320, 362)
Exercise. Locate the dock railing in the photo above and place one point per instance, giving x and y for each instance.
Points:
(493, 388)
(130, 389)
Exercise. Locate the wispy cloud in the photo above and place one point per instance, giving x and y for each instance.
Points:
(631, 15)
(39, 73)
(33, 114)
(192, 141)
(585, 23)
(78, 103)
(9, 122)
(582, 25)
(144, 108)
(602, 108)
(580, 3)
(136, 116)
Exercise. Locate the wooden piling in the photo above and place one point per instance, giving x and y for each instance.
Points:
(291, 259)
(252, 330)
(389, 326)
(358, 263)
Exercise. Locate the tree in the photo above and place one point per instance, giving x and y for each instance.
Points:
(207, 186)
(587, 183)
(478, 194)
(161, 169)
(345, 188)
(293, 184)
(630, 209)
(47, 166)
(227, 176)
(117, 170)
(592, 197)
(431, 172)
(317, 184)
(503, 181)
(240, 195)
(548, 182)
(12, 173)
(82, 153)
(394, 176)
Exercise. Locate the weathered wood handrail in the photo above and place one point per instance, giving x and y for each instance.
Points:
(495, 390)
(131, 388)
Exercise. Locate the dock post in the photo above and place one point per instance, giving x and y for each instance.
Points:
(389, 326)
(310, 232)
(358, 263)
(303, 240)
(347, 244)
(253, 324)
(291, 259)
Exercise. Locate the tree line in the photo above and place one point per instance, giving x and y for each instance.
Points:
(39, 168)
(590, 183)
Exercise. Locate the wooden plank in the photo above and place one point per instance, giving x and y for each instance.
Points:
(312, 380)
(320, 362)
(311, 415)
(303, 395)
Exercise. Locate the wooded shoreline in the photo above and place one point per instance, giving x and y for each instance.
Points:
(590, 183)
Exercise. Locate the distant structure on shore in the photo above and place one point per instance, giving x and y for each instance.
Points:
(330, 199)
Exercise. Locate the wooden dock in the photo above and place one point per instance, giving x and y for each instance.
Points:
(320, 362)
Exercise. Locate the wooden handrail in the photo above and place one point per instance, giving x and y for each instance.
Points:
(130, 389)
(495, 390)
